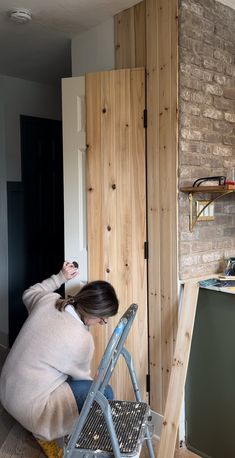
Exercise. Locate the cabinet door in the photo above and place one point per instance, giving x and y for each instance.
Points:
(116, 207)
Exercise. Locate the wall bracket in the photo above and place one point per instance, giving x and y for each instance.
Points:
(221, 190)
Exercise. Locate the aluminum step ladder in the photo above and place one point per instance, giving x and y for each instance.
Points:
(107, 429)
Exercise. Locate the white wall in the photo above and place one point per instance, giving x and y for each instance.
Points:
(93, 51)
(17, 97)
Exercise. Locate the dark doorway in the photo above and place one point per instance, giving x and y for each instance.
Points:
(35, 213)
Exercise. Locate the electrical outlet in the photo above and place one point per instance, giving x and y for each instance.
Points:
(205, 210)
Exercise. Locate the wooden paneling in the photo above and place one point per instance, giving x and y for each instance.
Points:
(161, 41)
(161, 26)
(116, 205)
(130, 42)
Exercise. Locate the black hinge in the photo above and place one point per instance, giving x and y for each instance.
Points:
(145, 118)
(148, 383)
(146, 250)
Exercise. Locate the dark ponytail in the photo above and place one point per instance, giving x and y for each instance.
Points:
(97, 298)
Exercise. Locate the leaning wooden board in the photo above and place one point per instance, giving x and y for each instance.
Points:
(179, 371)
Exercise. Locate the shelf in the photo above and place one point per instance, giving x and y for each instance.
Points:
(222, 190)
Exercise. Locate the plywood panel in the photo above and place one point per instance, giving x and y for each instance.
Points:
(116, 205)
(130, 43)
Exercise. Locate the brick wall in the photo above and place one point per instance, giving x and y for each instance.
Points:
(206, 129)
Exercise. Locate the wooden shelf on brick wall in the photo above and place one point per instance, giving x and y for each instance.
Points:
(221, 190)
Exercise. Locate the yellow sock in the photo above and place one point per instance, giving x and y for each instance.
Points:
(51, 448)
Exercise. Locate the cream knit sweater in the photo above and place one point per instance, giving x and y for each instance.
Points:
(50, 346)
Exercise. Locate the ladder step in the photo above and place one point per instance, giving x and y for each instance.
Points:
(130, 421)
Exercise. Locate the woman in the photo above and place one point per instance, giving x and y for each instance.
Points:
(46, 376)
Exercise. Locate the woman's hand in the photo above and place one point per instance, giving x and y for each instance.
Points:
(69, 271)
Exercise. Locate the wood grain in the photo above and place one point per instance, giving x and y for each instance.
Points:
(116, 206)
(130, 39)
(161, 42)
(179, 371)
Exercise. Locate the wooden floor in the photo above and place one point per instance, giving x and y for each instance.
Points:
(16, 442)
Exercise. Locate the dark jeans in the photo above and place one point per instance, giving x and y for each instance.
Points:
(80, 390)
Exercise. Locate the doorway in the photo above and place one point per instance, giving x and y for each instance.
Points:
(35, 214)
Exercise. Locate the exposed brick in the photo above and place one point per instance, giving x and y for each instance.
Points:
(212, 64)
(193, 159)
(191, 134)
(201, 246)
(210, 257)
(224, 104)
(183, 223)
(191, 260)
(196, 147)
(230, 163)
(230, 70)
(188, 236)
(229, 232)
(223, 126)
(223, 56)
(191, 83)
(223, 32)
(196, 122)
(229, 140)
(229, 93)
(219, 150)
(225, 243)
(206, 128)
(200, 97)
(212, 113)
(196, 72)
(207, 5)
(230, 117)
(213, 89)
(184, 247)
(190, 108)
(186, 58)
(212, 137)
(192, 6)
(230, 209)
(223, 80)
(206, 162)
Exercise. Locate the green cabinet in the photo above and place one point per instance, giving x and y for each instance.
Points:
(210, 384)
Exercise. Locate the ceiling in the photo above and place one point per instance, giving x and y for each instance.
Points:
(40, 50)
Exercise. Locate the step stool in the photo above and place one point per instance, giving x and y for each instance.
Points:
(107, 429)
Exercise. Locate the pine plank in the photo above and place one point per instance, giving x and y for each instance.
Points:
(179, 371)
(161, 45)
(116, 206)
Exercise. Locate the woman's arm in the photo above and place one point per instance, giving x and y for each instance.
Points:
(35, 292)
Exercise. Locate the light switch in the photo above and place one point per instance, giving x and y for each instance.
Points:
(205, 210)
